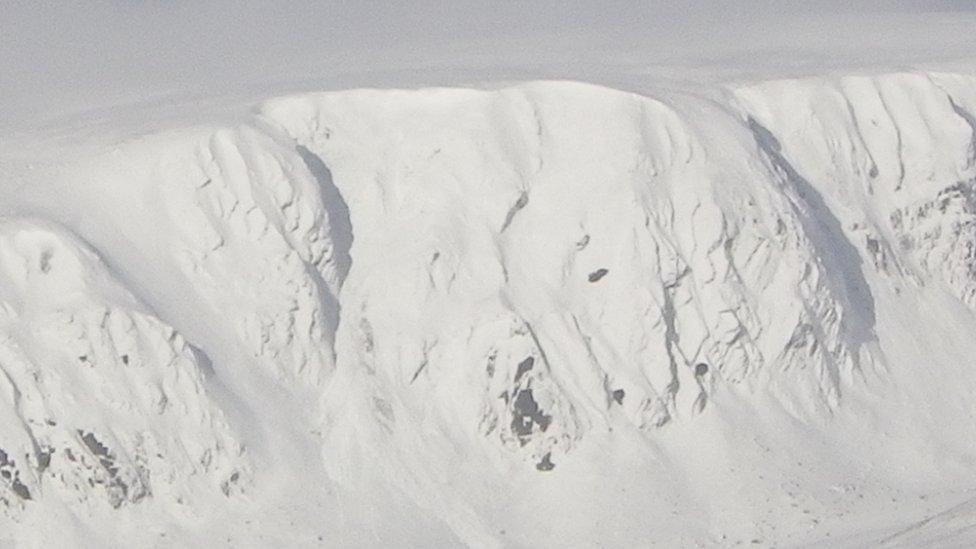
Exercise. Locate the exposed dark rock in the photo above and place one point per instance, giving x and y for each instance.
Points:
(618, 395)
(227, 485)
(101, 452)
(524, 367)
(9, 473)
(21, 490)
(546, 463)
(96, 447)
(44, 459)
(596, 275)
(525, 414)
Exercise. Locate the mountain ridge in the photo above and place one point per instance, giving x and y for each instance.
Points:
(449, 303)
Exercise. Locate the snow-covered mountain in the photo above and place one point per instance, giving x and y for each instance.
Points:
(544, 314)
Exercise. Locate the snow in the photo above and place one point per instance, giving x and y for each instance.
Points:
(629, 303)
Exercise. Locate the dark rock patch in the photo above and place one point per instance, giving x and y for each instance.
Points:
(526, 413)
(21, 490)
(546, 463)
(524, 367)
(44, 459)
(596, 275)
(9, 472)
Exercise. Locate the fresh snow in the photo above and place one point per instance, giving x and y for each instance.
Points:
(680, 306)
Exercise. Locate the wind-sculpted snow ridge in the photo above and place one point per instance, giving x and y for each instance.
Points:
(102, 404)
(468, 307)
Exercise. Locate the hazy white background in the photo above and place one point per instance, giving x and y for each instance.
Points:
(57, 57)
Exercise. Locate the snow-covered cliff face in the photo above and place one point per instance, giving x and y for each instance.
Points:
(555, 258)
(898, 155)
(242, 225)
(457, 295)
(102, 402)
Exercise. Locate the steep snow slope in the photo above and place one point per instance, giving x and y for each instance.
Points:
(603, 254)
(546, 314)
(899, 156)
(104, 405)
